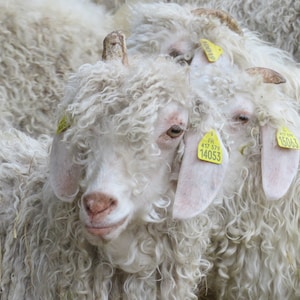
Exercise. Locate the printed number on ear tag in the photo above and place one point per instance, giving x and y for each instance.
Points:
(212, 51)
(210, 149)
(63, 125)
(286, 139)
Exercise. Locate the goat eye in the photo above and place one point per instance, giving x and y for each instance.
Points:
(242, 118)
(174, 131)
(181, 58)
(174, 53)
(185, 59)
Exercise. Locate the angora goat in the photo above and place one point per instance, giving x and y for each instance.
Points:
(170, 32)
(171, 29)
(255, 220)
(276, 21)
(115, 163)
(41, 42)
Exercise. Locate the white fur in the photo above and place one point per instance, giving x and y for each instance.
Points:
(251, 260)
(161, 28)
(42, 42)
(275, 21)
(254, 237)
(241, 212)
(119, 136)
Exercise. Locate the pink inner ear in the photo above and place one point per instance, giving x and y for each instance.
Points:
(198, 182)
(64, 173)
(279, 166)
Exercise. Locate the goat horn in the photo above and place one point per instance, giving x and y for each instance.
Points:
(114, 47)
(268, 75)
(222, 15)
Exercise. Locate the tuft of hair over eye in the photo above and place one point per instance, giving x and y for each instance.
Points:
(174, 131)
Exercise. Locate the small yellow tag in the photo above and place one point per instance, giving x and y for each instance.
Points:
(212, 51)
(286, 139)
(210, 149)
(63, 124)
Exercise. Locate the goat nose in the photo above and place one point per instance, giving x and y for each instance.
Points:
(98, 203)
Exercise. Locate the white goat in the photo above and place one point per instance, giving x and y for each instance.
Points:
(171, 29)
(255, 218)
(115, 158)
(269, 174)
(276, 21)
(41, 42)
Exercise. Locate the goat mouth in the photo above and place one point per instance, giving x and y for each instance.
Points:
(102, 231)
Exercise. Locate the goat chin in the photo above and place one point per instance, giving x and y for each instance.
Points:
(106, 232)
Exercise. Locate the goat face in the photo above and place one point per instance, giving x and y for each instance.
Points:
(126, 173)
(253, 120)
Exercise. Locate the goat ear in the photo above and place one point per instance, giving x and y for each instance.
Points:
(199, 181)
(279, 166)
(64, 173)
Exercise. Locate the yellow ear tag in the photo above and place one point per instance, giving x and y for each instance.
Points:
(212, 51)
(210, 149)
(63, 124)
(286, 139)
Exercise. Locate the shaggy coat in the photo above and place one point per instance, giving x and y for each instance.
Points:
(255, 220)
(275, 21)
(41, 43)
(117, 127)
(174, 30)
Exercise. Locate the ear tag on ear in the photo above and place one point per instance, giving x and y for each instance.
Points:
(63, 124)
(286, 139)
(210, 149)
(212, 51)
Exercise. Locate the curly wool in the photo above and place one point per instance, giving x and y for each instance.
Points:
(63, 264)
(158, 28)
(246, 51)
(255, 253)
(41, 42)
(254, 241)
(275, 21)
(154, 257)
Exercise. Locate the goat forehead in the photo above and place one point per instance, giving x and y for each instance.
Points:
(241, 103)
(171, 114)
(177, 42)
(117, 150)
(136, 142)
(154, 12)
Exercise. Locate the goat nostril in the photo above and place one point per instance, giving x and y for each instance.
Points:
(88, 204)
(97, 203)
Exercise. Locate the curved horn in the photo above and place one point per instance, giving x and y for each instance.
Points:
(222, 15)
(268, 75)
(114, 47)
